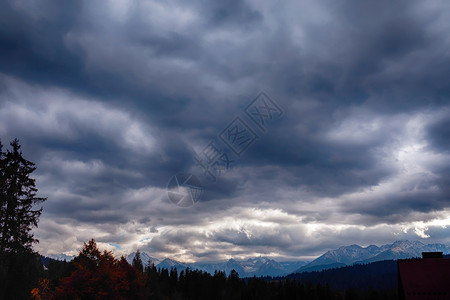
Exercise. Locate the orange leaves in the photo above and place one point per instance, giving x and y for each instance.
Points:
(99, 275)
(42, 291)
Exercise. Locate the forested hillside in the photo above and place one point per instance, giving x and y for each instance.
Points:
(94, 274)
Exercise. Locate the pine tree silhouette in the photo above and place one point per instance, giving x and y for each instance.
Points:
(19, 265)
(137, 262)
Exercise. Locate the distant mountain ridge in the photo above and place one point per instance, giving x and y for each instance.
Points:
(264, 266)
(144, 257)
(258, 266)
(61, 256)
(349, 255)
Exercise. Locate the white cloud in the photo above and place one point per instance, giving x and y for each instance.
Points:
(62, 115)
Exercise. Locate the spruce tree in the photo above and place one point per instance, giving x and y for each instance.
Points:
(18, 216)
(18, 198)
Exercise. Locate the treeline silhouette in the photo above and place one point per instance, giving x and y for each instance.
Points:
(98, 275)
(380, 276)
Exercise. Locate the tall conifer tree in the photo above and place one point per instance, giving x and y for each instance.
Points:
(18, 216)
(137, 262)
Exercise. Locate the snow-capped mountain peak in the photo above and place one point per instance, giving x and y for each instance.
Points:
(348, 255)
(144, 257)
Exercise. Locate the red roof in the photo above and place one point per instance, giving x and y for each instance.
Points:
(424, 278)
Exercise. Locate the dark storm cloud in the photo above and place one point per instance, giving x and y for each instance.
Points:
(222, 188)
(401, 207)
(33, 48)
(369, 53)
(234, 12)
(324, 167)
(114, 100)
(439, 134)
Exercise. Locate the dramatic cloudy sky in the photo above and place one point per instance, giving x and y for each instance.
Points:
(110, 99)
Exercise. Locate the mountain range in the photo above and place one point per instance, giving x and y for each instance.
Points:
(258, 266)
(264, 266)
(354, 254)
(61, 256)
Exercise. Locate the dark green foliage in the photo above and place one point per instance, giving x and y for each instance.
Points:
(21, 271)
(377, 280)
(56, 269)
(380, 275)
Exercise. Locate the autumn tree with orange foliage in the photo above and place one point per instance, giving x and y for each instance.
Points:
(98, 275)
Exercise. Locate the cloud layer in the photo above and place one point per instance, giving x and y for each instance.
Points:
(111, 100)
